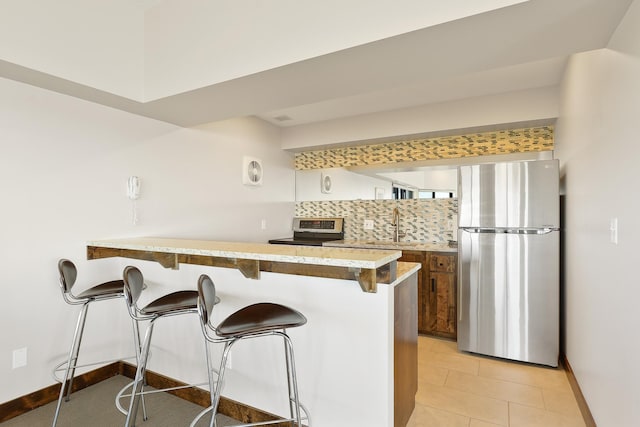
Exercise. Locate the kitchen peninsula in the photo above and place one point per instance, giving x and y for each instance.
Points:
(437, 281)
(357, 355)
(367, 267)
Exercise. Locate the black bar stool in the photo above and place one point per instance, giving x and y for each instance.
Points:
(173, 304)
(254, 321)
(101, 292)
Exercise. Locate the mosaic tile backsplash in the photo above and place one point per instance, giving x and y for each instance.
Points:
(422, 220)
(533, 139)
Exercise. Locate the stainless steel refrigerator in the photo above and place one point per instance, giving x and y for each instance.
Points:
(508, 250)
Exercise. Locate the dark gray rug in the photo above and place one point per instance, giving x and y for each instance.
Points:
(94, 406)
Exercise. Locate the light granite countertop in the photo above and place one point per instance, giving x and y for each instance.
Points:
(405, 269)
(368, 258)
(386, 245)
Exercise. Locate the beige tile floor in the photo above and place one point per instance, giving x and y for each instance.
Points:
(465, 390)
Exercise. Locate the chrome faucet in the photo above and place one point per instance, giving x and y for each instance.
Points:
(395, 222)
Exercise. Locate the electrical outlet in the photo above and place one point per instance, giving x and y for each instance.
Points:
(19, 358)
(263, 224)
(613, 229)
(368, 224)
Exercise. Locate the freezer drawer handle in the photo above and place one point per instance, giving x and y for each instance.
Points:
(459, 302)
(545, 230)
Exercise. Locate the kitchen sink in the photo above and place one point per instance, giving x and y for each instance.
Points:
(387, 243)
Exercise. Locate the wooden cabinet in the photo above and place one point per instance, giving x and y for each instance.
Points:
(442, 294)
(437, 292)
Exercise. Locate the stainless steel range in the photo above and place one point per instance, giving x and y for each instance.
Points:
(313, 231)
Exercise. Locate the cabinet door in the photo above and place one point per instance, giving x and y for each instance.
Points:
(423, 287)
(442, 294)
(443, 304)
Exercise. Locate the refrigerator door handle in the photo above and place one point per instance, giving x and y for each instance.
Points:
(545, 230)
(459, 304)
(501, 230)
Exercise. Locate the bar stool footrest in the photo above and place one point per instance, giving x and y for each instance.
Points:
(62, 366)
(304, 417)
(121, 394)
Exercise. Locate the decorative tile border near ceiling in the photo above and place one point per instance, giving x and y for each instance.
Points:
(422, 220)
(523, 140)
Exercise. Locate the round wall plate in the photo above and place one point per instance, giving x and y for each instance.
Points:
(325, 183)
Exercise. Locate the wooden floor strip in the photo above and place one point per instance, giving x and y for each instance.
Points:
(577, 392)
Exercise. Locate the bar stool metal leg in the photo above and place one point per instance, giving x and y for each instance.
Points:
(292, 382)
(295, 407)
(121, 393)
(69, 372)
(218, 389)
(138, 381)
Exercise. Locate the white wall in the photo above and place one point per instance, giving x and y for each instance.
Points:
(597, 144)
(63, 171)
(527, 105)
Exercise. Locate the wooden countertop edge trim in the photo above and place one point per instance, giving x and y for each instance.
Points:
(367, 278)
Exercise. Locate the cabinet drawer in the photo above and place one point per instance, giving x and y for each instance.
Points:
(446, 263)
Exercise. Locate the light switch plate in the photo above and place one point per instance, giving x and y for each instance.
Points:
(19, 358)
(368, 224)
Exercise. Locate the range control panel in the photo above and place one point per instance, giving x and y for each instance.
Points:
(318, 225)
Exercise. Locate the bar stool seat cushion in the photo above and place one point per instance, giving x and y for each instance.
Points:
(114, 287)
(258, 318)
(175, 301)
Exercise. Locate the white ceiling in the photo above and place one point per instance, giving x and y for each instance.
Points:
(417, 53)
